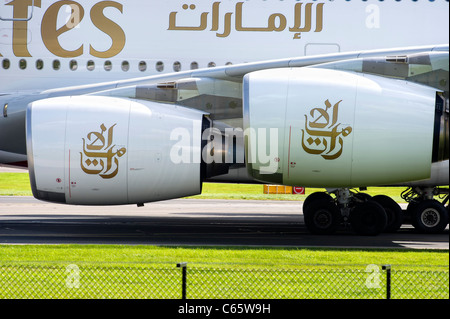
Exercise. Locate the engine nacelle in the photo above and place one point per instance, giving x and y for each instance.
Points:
(92, 150)
(327, 128)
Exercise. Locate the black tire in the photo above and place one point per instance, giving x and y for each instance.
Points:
(362, 197)
(393, 211)
(409, 211)
(429, 216)
(317, 196)
(322, 217)
(368, 218)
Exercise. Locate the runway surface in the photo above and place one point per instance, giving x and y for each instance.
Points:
(24, 220)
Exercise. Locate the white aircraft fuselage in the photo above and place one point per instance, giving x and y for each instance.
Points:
(52, 44)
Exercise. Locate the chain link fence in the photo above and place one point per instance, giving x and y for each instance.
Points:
(58, 281)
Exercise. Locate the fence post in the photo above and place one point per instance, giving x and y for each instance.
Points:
(388, 280)
(183, 267)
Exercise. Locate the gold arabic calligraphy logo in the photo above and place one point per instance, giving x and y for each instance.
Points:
(321, 135)
(100, 154)
(303, 17)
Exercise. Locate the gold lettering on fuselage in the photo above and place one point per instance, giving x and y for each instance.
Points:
(20, 26)
(322, 136)
(50, 33)
(100, 154)
(276, 22)
(109, 27)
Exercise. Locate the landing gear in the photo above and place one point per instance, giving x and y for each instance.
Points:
(316, 197)
(429, 216)
(368, 218)
(426, 214)
(323, 214)
(393, 211)
(373, 215)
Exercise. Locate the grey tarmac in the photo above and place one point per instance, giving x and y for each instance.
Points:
(198, 222)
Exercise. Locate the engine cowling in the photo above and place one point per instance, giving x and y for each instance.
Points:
(93, 150)
(325, 128)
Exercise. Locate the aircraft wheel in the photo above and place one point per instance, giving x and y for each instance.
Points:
(321, 217)
(362, 197)
(429, 216)
(368, 218)
(409, 212)
(317, 196)
(393, 211)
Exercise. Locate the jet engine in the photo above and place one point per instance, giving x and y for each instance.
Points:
(93, 150)
(328, 128)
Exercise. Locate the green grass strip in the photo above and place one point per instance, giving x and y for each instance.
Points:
(15, 184)
(18, 184)
(242, 257)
